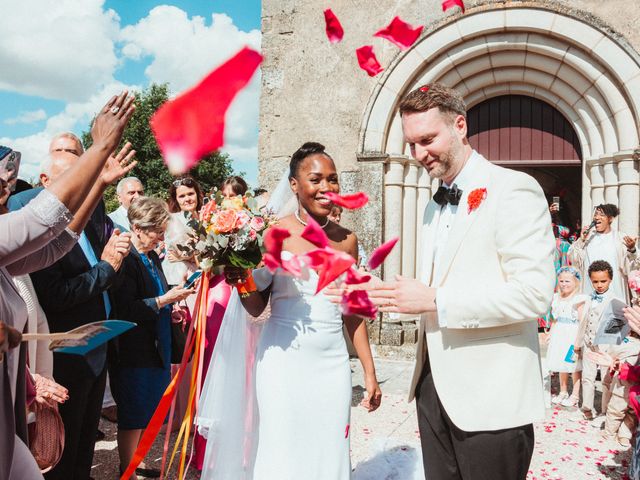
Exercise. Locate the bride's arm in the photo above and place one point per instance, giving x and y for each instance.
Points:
(357, 329)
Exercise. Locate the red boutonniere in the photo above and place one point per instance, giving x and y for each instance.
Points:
(475, 198)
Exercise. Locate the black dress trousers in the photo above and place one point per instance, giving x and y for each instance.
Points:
(449, 453)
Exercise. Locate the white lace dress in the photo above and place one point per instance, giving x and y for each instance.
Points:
(303, 386)
(563, 333)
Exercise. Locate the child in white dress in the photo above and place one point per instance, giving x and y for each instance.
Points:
(566, 311)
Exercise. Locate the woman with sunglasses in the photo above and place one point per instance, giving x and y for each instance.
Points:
(185, 201)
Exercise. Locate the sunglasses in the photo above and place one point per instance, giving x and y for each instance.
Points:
(186, 182)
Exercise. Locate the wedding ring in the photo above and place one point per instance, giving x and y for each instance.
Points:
(115, 110)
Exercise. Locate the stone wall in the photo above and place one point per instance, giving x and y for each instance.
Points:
(315, 91)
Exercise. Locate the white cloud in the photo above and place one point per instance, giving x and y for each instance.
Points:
(62, 49)
(66, 50)
(30, 116)
(34, 147)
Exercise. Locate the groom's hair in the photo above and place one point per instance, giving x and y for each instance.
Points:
(601, 266)
(432, 95)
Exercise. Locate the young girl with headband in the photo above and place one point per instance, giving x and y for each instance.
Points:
(566, 311)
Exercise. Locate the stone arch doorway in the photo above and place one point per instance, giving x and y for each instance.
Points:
(528, 134)
(591, 77)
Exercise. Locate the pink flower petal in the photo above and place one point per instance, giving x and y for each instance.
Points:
(314, 233)
(400, 33)
(358, 303)
(355, 277)
(329, 264)
(447, 4)
(192, 124)
(273, 240)
(368, 61)
(270, 262)
(379, 254)
(292, 266)
(352, 201)
(333, 28)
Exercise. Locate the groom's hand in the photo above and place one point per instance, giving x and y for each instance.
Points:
(404, 295)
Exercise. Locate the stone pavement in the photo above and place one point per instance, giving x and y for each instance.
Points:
(386, 446)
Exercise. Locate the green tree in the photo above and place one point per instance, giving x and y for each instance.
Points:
(151, 170)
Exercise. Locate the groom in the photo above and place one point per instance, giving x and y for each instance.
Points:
(487, 274)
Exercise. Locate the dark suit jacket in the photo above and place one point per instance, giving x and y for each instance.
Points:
(70, 292)
(135, 302)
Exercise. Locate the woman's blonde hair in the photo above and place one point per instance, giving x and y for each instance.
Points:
(148, 213)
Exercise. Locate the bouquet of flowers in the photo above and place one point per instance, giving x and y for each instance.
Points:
(229, 231)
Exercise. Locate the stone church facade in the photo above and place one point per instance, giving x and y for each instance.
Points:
(552, 88)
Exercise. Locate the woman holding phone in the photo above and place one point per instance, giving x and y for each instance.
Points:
(142, 369)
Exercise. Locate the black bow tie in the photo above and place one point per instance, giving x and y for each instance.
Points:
(448, 195)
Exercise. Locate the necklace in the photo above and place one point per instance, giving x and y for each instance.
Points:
(297, 214)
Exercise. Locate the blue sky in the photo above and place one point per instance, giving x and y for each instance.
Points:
(62, 60)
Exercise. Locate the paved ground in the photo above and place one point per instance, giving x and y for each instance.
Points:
(386, 445)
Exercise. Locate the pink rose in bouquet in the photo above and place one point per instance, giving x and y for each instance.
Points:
(242, 219)
(257, 223)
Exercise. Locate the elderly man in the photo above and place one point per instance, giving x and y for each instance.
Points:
(65, 142)
(128, 190)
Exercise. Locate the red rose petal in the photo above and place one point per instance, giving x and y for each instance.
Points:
(379, 254)
(314, 233)
(192, 124)
(358, 303)
(329, 264)
(400, 33)
(333, 28)
(354, 277)
(368, 61)
(352, 201)
(273, 240)
(447, 4)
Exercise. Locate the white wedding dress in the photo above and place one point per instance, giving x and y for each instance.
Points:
(290, 419)
(303, 386)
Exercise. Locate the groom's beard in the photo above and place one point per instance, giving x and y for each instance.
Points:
(446, 160)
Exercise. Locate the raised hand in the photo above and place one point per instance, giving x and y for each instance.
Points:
(109, 124)
(630, 242)
(119, 165)
(116, 249)
(632, 315)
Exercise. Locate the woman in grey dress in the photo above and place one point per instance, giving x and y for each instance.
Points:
(35, 237)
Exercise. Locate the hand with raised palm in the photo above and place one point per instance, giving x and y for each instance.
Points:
(119, 165)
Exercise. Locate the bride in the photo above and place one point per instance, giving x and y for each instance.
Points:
(276, 402)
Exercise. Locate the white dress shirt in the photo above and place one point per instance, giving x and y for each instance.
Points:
(445, 219)
(120, 218)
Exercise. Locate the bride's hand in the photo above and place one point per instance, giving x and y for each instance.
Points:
(372, 399)
(235, 275)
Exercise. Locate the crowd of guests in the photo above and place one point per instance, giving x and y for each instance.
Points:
(58, 274)
(593, 270)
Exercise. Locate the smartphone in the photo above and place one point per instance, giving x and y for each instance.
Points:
(556, 200)
(192, 279)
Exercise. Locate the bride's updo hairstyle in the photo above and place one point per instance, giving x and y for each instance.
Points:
(306, 150)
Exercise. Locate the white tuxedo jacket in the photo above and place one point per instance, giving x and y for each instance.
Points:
(496, 277)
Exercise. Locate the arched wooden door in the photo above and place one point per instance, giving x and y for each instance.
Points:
(528, 134)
